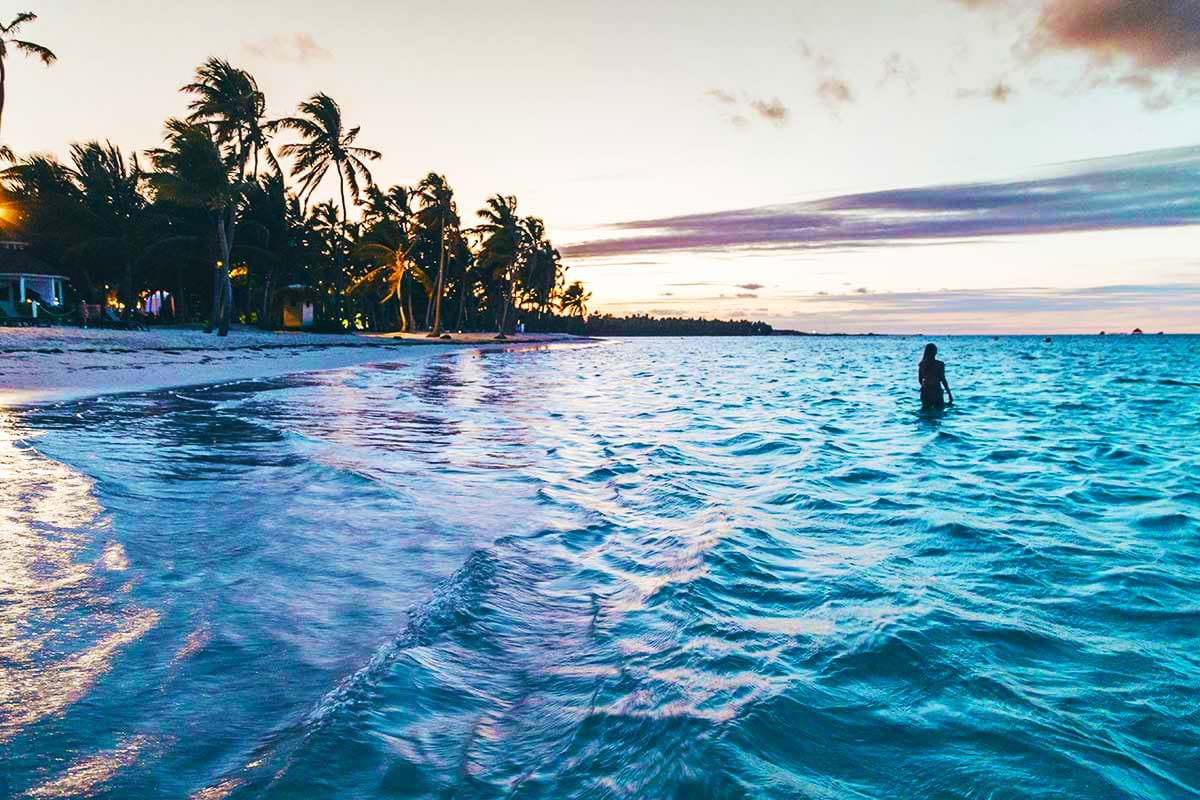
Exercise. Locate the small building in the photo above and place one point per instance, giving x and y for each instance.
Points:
(24, 278)
(296, 306)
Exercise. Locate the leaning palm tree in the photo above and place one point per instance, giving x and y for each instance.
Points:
(229, 101)
(191, 172)
(392, 267)
(438, 218)
(327, 142)
(574, 300)
(388, 244)
(8, 38)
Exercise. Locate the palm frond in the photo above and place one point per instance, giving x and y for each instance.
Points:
(32, 49)
(18, 21)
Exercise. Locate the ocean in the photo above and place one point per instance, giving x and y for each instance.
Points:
(660, 568)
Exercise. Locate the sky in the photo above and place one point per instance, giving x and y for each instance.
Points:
(933, 166)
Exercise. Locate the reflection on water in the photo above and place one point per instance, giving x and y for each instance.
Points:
(81, 778)
(653, 569)
(59, 626)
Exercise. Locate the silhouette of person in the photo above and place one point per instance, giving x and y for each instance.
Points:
(931, 374)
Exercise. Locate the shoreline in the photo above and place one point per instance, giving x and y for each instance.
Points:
(55, 365)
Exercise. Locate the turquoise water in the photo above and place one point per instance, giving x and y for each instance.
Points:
(651, 569)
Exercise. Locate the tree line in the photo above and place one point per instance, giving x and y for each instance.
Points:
(646, 325)
(214, 211)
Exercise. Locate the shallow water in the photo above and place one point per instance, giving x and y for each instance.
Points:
(652, 569)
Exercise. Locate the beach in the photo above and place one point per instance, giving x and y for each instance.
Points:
(63, 363)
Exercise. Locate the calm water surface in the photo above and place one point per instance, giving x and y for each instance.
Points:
(651, 569)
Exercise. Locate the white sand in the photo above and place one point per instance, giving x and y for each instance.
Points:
(40, 365)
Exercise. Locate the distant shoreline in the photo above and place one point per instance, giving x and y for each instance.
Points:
(49, 365)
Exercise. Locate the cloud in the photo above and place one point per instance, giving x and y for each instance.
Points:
(750, 287)
(998, 92)
(1126, 42)
(834, 92)
(1154, 34)
(773, 111)
(1147, 190)
(1152, 307)
(898, 69)
(746, 295)
(298, 48)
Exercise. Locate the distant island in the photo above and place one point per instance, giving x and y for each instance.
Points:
(646, 325)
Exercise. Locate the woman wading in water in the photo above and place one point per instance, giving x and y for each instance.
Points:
(931, 374)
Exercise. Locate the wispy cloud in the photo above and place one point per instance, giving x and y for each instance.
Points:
(899, 69)
(771, 110)
(297, 48)
(998, 92)
(1154, 189)
(741, 109)
(722, 96)
(834, 92)
(831, 88)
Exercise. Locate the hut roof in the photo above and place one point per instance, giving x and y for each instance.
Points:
(16, 260)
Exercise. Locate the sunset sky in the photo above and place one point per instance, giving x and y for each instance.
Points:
(934, 166)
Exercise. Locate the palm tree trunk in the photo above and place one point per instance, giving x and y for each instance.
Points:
(400, 295)
(341, 267)
(503, 321)
(3, 78)
(226, 287)
(128, 286)
(437, 299)
(462, 300)
(217, 287)
(181, 307)
(412, 314)
(263, 321)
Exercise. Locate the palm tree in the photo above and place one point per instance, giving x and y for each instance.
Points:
(502, 251)
(112, 192)
(388, 244)
(543, 269)
(229, 101)
(8, 39)
(327, 142)
(269, 235)
(438, 217)
(87, 214)
(191, 172)
(574, 300)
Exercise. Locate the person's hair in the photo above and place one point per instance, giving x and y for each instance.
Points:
(930, 353)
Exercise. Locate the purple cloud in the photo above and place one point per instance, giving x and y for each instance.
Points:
(1153, 189)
